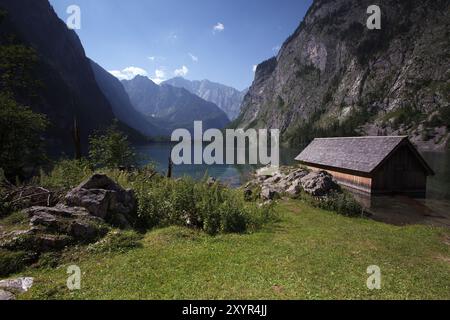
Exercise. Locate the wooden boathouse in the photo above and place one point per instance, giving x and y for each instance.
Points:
(374, 165)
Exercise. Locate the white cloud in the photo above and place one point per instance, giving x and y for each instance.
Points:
(183, 71)
(129, 73)
(219, 27)
(160, 75)
(255, 67)
(156, 58)
(276, 48)
(194, 58)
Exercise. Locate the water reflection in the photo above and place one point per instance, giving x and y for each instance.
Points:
(403, 210)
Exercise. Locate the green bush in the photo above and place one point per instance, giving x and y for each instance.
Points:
(66, 174)
(213, 208)
(341, 202)
(111, 149)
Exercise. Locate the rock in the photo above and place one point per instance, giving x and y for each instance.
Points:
(273, 180)
(6, 295)
(100, 181)
(31, 240)
(85, 231)
(295, 188)
(59, 211)
(54, 229)
(18, 285)
(59, 218)
(283, 185)
(318, 184)
(298, 174)
(97, 202)
(50, 242)
(102, 197)
(211, 181)
(268, 193)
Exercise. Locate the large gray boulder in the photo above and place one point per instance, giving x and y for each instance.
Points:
(10, 287)
(318, 184)
(6, 295)
(269, 193)
(295, 188)
(103, 198)
(54, 228)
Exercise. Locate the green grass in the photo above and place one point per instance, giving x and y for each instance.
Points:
(308, 254)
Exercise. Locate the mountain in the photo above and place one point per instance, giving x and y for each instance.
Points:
(121, 105)
(172, 106)
(226, 98)
(333, 76)
(67, 88)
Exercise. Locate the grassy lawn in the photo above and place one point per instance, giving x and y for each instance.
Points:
(309, 254)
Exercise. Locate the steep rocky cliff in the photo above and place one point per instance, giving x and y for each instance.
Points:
(121, 105)
(66, 87)
(334, 76)
(226, 98)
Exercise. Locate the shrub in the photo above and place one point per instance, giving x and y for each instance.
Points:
(66, 174)
(111, 149)
(340, 202)
(213, 208)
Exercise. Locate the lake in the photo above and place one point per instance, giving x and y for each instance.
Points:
(232, 175)
(396, 209)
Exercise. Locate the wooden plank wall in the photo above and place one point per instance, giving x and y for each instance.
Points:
(349, 180)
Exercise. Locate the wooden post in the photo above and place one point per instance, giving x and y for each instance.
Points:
(169, 170)
(76, 139)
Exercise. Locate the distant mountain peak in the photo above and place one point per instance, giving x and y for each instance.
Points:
(174, 107)
(225, 97)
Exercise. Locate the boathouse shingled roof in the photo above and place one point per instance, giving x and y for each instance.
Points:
(362, 154)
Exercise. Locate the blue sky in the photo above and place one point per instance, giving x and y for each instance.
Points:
(219, 40)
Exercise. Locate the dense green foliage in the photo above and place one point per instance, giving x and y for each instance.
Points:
(66, 174)
(21, 129)
(20, 138)
(212, 208)
(17, 65)
(111, 149)
(163, 202)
